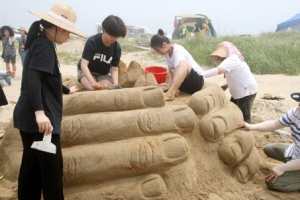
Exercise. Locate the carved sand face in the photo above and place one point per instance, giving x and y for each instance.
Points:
(127, 144)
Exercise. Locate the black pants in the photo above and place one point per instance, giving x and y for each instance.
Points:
(192, 83)
(245, 104)
(40, 172)
(3, 100)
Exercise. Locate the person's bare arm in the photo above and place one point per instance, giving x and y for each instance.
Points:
(88, 75)
(73, 89)
(170, 79)
(44, 123)
(86, 71)
(115, 75)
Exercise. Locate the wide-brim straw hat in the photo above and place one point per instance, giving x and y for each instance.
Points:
(220, 52)
(61, 15)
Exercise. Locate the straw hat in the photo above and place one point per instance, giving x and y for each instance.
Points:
(22, 28)
(220, 52)
(61, 15)
(267, 96)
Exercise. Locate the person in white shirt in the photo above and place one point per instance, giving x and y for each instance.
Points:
(240, 81)
(283, 177)
(184, 72)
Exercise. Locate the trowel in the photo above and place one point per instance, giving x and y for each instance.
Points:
(45, 145)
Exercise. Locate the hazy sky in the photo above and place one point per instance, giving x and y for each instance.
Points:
(229, 17)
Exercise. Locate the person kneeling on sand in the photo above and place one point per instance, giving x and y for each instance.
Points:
(5, 75)
(184, 72)
(98, 67)
(284, 177)
(240, 81)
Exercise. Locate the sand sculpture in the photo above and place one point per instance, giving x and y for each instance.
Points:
(127, 144)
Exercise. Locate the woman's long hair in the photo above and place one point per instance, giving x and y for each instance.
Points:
(36, 29)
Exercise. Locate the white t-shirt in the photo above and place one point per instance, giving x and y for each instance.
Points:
(179, 54)
(239, 78)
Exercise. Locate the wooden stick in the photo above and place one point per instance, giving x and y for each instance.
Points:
(229, 131)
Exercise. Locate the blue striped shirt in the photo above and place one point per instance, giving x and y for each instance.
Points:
(292, 120)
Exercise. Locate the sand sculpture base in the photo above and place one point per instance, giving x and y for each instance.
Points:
(127, 144)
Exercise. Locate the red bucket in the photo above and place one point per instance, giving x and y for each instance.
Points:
(160, 73)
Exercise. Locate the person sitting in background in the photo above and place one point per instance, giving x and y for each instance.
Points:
(22, 41)
(5, 75)
(283, 177)
(184, 72)
(240, 81)
(98, 66)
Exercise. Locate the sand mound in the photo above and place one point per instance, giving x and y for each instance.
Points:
(128, 144)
